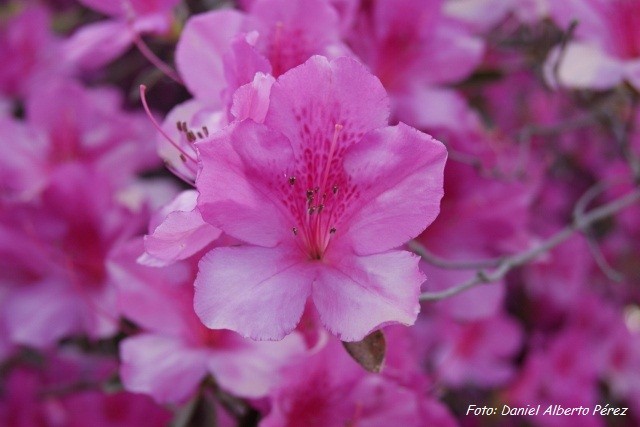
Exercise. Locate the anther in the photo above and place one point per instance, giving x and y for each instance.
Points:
(183, 158)
(191, 136)
(311, 210)
(295, 231)
(320, 207)
(205, 130)
(179, 126)
(335, 189)
(200, 135)
(333, 230)
(292, 180)
(309, 194)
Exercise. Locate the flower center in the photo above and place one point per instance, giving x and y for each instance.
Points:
(316, 201)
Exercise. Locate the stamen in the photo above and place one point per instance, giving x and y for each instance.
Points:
(166, 69)
(332, 149)
(143, 97)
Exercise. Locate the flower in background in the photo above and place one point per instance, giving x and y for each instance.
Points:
(604, 49)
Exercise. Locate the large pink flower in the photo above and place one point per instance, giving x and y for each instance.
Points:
(322, 193)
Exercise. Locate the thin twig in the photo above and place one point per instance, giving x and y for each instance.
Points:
(578, 211)
(446, 264)
(511, 262)
(166, 69)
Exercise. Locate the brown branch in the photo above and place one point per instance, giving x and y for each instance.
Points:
(519, 259)
(445, 264)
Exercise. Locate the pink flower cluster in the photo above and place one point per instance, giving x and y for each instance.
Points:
(318, 212)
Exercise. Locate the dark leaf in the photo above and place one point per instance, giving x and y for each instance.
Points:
(369, 352)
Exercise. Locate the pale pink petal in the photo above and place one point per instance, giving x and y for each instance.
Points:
(182, 233)
(431, 107)
(356, 295)
(199, 52)
(461, 57)
(39, 315)
(95, 45)
(242, 61)
(480, 15)
(236, 192)
(251, 101)
(400, 173)
(317, 95)
(162, 367)
(22, 160)
(257, 292)
(157, 23)
(291, 32)
(250, 370)
(582, 66)
(142, 290)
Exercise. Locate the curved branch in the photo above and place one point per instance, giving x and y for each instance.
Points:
(579, 223)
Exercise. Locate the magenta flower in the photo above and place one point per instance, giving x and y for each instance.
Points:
(327, 388)
(321, 193)
(223, 49)
(175, 352)
(95, 45)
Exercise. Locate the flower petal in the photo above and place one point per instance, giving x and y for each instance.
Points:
(235, 183)
(152, 365)
(199, 52)
(251, 368)
(182, 233)
(399, 171)
(582, 66)
(356, 295)
(315, 96)
(257, 292)
(95, 45)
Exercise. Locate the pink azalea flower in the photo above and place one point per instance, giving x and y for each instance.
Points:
(53, 253)
(226, 48)
(68, 124)
(327, 388)
(179, 234)
(558, 279)
(402, 43)
(322, 193)
(29, 52)
(94, 45)
(474, 353)
(67, 391)
(606, 48)
(175, 352)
